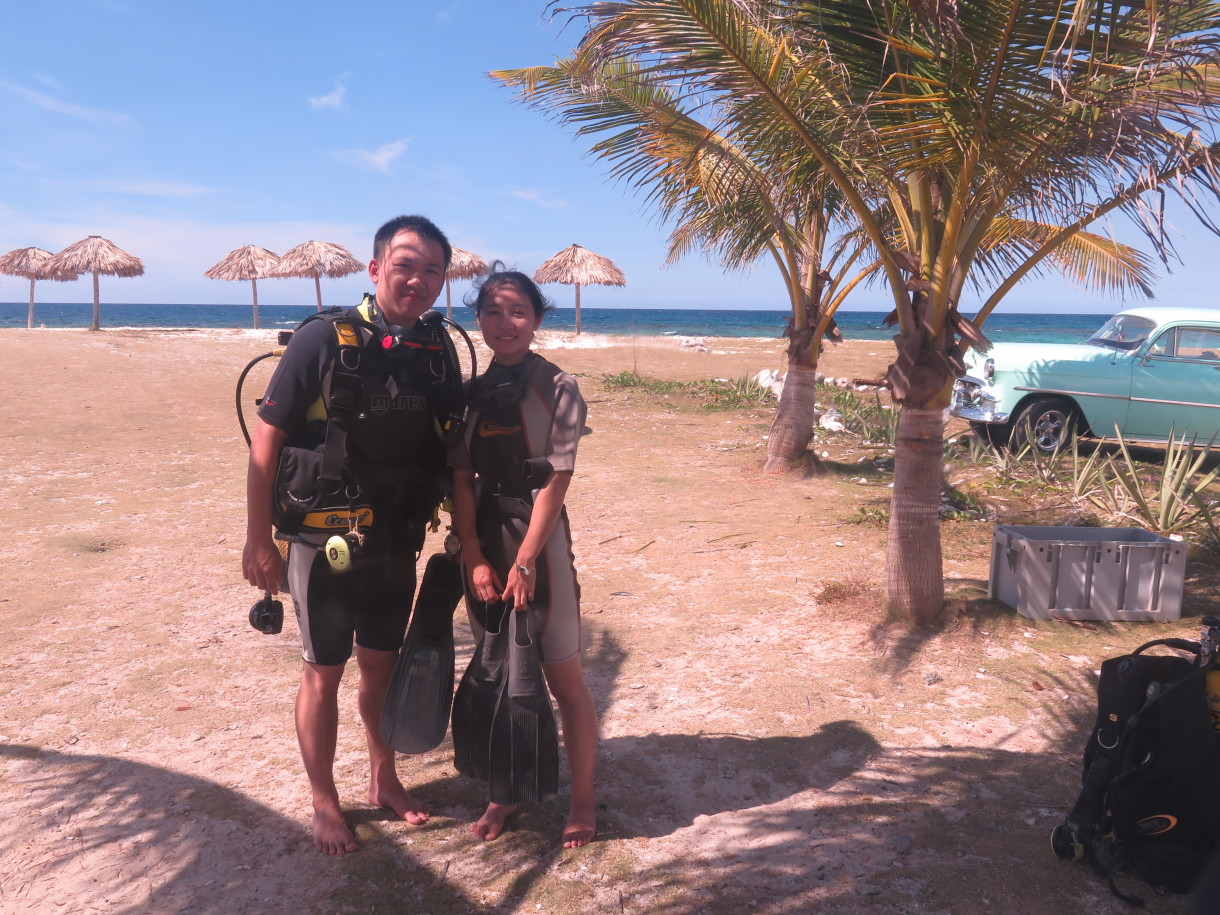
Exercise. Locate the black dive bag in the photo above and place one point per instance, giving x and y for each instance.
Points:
(1150, 801)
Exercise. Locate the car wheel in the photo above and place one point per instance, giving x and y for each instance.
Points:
(1045, 424)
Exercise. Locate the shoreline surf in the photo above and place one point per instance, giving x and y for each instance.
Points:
(621, 323)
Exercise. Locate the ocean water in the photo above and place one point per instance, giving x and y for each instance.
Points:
(620, 322)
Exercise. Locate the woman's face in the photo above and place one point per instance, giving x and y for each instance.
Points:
(508, 322)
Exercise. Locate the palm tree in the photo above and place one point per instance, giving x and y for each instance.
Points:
(721, 201)
(718, 200)
(958, 122)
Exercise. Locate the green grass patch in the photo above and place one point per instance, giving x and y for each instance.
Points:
(708, 394)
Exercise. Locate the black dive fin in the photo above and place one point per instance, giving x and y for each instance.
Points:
(474, 705)
(416, 711)
(524, 739)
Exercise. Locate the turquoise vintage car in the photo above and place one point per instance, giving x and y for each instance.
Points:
(1148, 373)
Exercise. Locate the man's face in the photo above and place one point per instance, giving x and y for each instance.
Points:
(409, 277)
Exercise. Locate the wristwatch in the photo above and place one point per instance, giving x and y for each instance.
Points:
(525, 570)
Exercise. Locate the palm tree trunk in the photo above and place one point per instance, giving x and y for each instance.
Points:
(914, 580)
(792, 428)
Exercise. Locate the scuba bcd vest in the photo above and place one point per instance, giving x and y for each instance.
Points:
(323, 486)
(1150, 794)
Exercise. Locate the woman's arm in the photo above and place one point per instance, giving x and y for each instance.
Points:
(547, 506)
(484, 583)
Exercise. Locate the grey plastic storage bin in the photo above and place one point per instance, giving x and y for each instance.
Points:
(1087, 573)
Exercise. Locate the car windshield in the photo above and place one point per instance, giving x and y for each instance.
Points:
(1122, 332)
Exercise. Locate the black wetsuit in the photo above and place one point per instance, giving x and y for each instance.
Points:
(395, 450)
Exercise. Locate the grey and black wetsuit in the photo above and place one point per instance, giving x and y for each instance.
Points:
(518, 413)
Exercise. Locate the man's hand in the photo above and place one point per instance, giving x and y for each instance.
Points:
(262, 565)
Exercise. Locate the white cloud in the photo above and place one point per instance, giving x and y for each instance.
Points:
(48, 80)
(92, 115)
(538, 198)
(378, 159)
(332, 99)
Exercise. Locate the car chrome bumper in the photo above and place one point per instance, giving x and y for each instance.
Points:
(973, 405)
(975, 415)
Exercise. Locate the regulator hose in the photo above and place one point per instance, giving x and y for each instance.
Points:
(241, 379)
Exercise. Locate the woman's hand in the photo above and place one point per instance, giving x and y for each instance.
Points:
(522, 580)
(485, 585)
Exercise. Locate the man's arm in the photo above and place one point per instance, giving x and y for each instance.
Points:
(261, 563)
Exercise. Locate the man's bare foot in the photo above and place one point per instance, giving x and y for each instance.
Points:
(392, 794)
(331, 834)
(581, 826)
(491, 823)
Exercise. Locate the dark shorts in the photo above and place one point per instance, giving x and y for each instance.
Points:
(368, 604)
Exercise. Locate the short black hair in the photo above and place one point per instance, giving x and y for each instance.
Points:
(421, 225)
(502, 276)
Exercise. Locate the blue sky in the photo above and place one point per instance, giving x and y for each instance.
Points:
(181, 131)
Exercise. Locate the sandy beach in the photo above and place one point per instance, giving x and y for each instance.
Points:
(767, 745)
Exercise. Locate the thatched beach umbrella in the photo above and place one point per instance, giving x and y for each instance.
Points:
(318, 259)
(578, 267)
(462, 266)
(32, 264)
(249, 262)
(96, 255)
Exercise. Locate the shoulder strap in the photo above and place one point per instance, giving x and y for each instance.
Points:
(1119, 701)
(451, 404)
(344, 388)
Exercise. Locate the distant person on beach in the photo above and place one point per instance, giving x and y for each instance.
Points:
(525, 409)
(392, 442)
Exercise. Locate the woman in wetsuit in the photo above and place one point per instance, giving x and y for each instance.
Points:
(526, 412)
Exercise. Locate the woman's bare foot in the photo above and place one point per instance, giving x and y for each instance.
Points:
(390, 793)
(491, 824)
(581, 826)
(331, 834)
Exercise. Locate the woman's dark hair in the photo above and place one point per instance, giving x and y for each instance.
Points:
(502, 276)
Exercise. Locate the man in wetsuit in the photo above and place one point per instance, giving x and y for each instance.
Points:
(392, 440)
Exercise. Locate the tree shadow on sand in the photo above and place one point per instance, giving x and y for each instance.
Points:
(651, 786)
(836, 822)
(833, 821)
(87, 833)
(673, 779)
